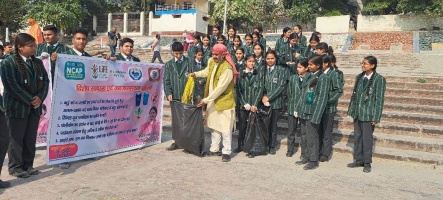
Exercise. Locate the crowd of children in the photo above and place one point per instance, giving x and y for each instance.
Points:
(299, 80)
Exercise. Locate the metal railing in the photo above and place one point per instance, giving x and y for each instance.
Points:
(167, 7)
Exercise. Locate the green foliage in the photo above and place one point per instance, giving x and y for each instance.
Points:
(308, 10)
(422, 80)
(64, 14)
(11, 15)
(427, 7)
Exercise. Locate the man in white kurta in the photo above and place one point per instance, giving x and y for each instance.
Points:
(219, 97)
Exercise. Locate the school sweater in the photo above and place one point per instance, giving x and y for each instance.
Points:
(313, 112)
(250, 88)
(335, 91)
(120, 56)
(275, 81)
(175, 77)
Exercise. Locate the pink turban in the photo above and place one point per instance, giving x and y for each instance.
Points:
(221, 49)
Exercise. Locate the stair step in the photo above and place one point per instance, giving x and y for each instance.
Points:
(430, 145)
(410, 117)
(400, 79)
(436, 93)
(418, 100)
(424, 109)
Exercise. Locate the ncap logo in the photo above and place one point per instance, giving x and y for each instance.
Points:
(74, 70)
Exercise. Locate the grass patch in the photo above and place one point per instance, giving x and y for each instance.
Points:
(422, 80)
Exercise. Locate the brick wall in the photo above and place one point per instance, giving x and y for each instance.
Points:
(382, 41)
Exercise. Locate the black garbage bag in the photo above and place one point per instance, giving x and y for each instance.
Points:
(257, 136)
(187, 127)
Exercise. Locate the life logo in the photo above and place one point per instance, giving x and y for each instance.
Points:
(74, 70)
(135, 73)
(99, 72)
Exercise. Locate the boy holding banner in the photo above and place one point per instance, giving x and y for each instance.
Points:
(126, 49)
(175, 77)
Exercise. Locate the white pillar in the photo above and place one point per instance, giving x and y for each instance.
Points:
(151, 17)
(142, 23)
(125, 24)
(94, 23)
(109, 21)
(7, 35)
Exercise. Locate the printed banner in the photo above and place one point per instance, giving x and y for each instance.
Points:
(43, 124)
(103, 107)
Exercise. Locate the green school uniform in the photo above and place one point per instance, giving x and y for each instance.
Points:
(294, 93)
(16, 98)
(249, 50)
(214, 40)
(308, 53)
(281, 48)
(199, 83)
(175, 77)
(369, 107)
(232, 50)
(303, 41)
(72, 52)
(250, 88)
(275, 82)
(313, 112)
(45, 47)
(335, 91)
(132, 58)
(263, 42)
(192, 50)
(240, 65)
(207, 53)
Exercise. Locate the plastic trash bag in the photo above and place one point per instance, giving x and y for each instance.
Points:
(257, 136)
(187, 127)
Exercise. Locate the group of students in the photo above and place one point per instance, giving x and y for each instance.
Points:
(26, 85)
(300, 78)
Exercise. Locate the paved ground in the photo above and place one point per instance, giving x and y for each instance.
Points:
(154, 173)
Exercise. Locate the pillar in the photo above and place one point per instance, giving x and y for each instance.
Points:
(125, 24)
(94, 23)
(109, 22)
(151, 17)
(142, 23)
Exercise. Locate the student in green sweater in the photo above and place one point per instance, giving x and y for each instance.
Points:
(310, 50)
(232, 32)
(26, 84)
(327, 120)
(207, 49)
(196, 65)
(259, 58)
(259, 30)
(192, 50)
(282, 42)
(275, 81)
(249, 49)
(302, 41)
(294, 93)
(366, 108)
(250, 91)
(175, 77)
(126, 49)
(313, 100)
(236, 44)
(50, 46)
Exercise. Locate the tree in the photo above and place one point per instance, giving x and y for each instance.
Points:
(65, 14)
(427, 7)
(11, 15)
(304, 11)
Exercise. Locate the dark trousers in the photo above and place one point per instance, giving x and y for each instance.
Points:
(155, 56)
(363, 142)
(4, 139)
(292, 128)
(273, 128)
(325, 134)
(243, 116)
(309, 134)
(21, 150)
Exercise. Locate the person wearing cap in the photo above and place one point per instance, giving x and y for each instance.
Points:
(219, 97)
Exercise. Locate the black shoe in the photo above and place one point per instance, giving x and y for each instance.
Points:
(20, 173)
(172, 147)
(301, 162)
(272, 151)
(367, 168)
(32, 171)
(238, 149)
(311, 165)
(289, 154)
(4, 184)
(251, 155)
(324, 158)
(226, 158)
(355, 164)
(210, 153)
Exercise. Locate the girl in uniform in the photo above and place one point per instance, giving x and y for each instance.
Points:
(282, 43)
(221, 40)
(26, 84)
(366, 108)
(301, 38)
(310, 51)
(250, 90)
(192, 50)
(197, 64)
(294, 93)
(259, 30)
(249, 49)
(313, 100)
(207, 49)
(327, 120)
(258, 54)
(236, 44)
(231, 36)
(275, 81)
(239, 59)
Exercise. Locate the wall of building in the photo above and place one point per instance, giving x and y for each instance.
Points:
(167, 23)
(408, 22)
(334, 24)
